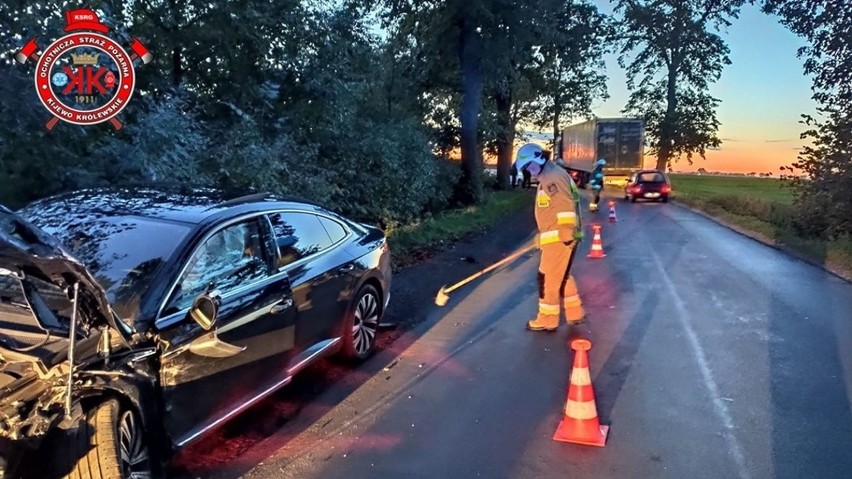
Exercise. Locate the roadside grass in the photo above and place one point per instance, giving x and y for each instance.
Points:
(764, 207)
(419, 240)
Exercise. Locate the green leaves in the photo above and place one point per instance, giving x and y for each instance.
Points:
(825, 198)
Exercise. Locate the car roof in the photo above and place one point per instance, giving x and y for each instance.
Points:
(193, 206)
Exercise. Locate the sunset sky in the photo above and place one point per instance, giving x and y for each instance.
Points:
(763, 94)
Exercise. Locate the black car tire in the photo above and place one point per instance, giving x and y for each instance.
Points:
(109, 444)
(362, 325)
(633, 199)
(665, 199)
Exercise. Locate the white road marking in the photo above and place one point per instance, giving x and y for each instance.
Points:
(721, 409)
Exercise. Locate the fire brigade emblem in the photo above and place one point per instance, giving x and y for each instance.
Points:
(84, 77)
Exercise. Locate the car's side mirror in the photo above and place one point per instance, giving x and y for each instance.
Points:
(205, 311)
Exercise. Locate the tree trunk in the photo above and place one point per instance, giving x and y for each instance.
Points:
(505, 138)
(177, 67)
(667, 133)
(557, 113)
(469, 190)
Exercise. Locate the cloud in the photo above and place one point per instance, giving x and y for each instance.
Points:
(779, 141)
(733, 140)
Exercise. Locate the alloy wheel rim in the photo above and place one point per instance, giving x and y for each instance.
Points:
(133, 452)
(366, 323)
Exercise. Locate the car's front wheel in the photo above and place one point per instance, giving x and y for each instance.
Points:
(109, 444)
(362, 324)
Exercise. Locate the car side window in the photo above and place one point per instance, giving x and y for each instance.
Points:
(298, 235)
(335, 230)
(232, 257)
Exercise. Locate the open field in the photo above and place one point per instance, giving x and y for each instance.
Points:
(762, 206)
(705, 187)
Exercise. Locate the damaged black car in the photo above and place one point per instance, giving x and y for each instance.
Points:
(132, 322)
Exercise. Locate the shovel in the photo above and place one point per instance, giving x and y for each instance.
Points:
(443, 294)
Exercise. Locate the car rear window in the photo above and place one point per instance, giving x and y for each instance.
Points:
(651, 178)
(335, 230)
(298, 235)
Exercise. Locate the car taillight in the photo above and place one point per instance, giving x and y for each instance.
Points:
(637, 189)
(666, 188)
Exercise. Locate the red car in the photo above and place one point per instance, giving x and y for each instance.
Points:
(649, 185)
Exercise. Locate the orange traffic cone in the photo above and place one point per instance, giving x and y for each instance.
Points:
(612, 217)
(597, 245)
(580, 423)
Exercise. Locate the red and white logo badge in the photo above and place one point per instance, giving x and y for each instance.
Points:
(84, 78)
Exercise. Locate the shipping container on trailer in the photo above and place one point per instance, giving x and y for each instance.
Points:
(619, 141)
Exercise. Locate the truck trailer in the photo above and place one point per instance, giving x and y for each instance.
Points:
(619, 141)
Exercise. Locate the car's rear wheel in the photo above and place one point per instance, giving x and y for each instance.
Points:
(362, 324)
(633, 199)
(109, 444)
(665, 199)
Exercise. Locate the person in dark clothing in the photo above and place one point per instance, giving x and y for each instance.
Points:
(514, 174)
(597, 184)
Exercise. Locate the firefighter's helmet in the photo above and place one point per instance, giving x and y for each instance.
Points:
(530, 157)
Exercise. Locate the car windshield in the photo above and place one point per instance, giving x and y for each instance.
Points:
(124, 253)
(652, 177)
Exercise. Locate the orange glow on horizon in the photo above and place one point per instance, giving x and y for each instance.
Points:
(732, 157)
(742, 157)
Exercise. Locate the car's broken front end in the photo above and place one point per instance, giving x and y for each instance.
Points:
(60, 343)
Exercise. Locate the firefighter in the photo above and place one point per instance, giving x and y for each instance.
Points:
(596, 181)
(557, 214)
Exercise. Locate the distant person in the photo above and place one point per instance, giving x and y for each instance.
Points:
(514, 174)
(596, 181)
(527, 179)
(557, 215)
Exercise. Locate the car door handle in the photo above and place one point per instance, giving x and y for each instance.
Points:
(346, 269)
(281, 306)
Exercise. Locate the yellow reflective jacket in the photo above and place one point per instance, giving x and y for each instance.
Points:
(557, 206)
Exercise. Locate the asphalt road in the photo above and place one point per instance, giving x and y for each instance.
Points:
(714, 356)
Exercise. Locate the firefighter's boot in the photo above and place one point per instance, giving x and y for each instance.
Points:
(547, 319)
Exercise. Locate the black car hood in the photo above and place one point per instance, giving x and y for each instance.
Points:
(27, 250)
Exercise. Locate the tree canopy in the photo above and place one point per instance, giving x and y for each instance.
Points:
(673, 51)
(825, 199)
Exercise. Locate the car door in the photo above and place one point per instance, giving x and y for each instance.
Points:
(207, 376)
(320, 272)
